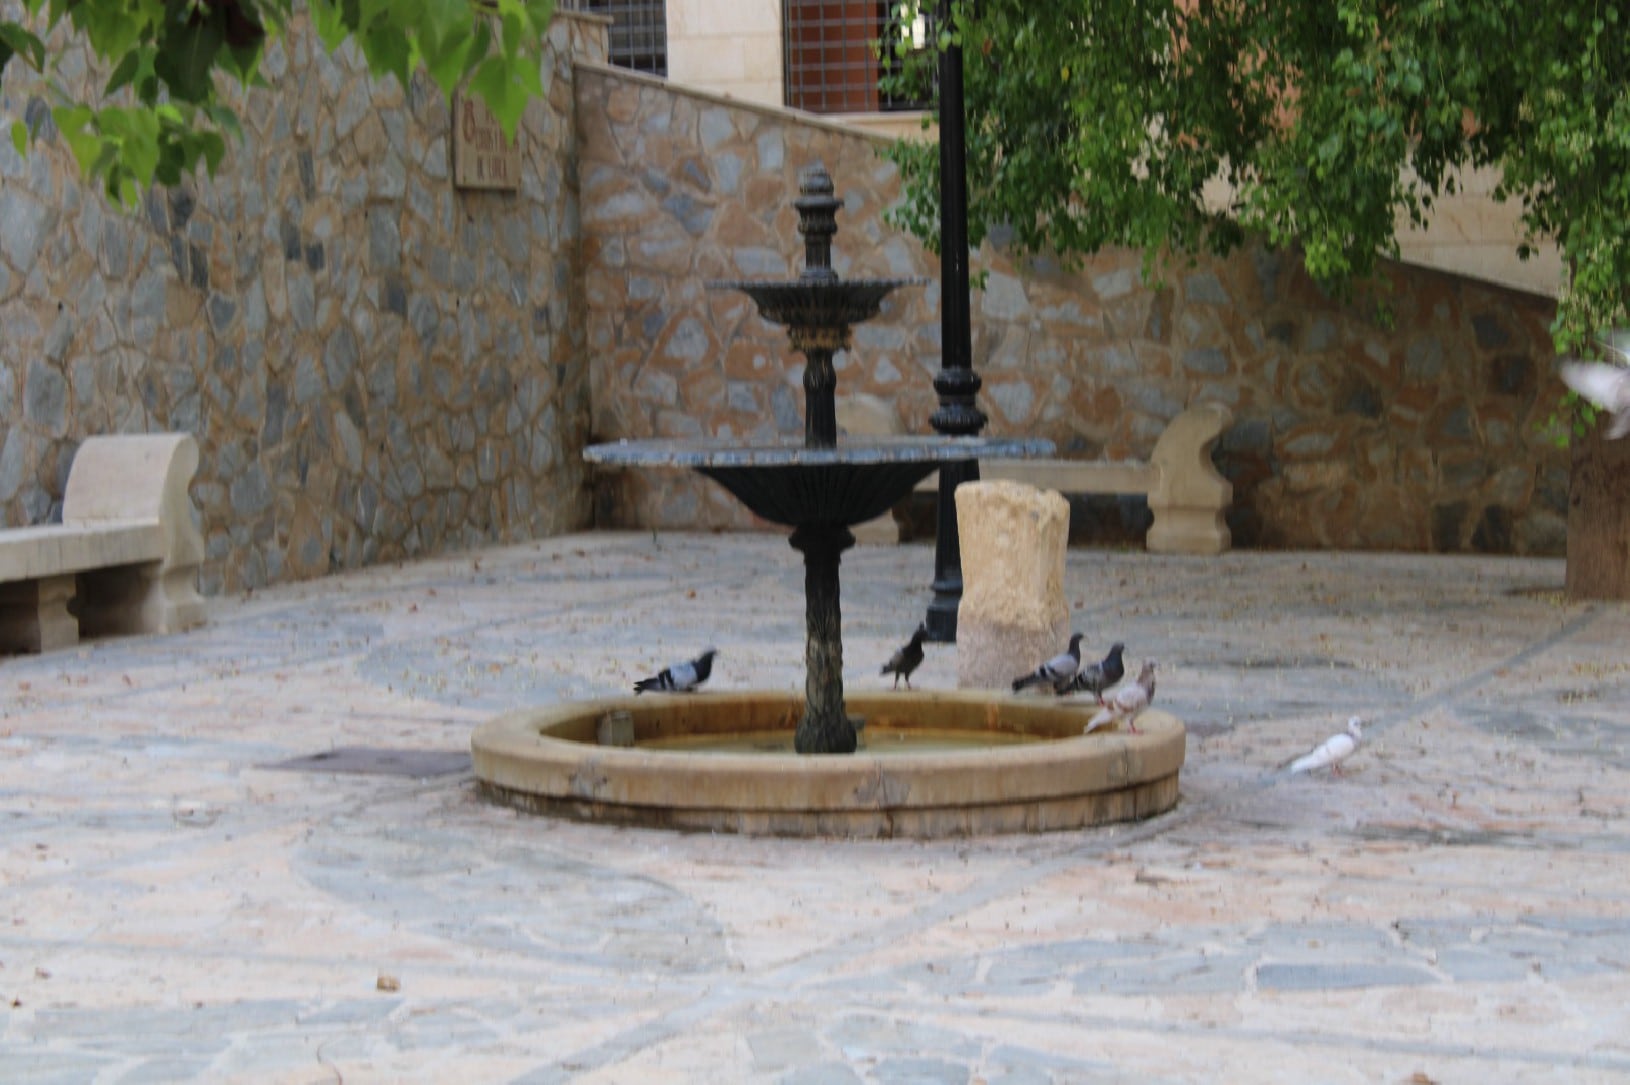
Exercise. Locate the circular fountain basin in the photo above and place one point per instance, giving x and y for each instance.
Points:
(931, 764)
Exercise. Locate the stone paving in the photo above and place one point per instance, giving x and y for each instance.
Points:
(253, 852)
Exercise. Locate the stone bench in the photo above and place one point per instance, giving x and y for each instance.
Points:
(125, 557)
(1186, 494)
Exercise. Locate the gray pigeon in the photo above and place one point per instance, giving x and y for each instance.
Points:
(1057, 672)
(681, 677)
(1094, 678)
(907, 658)
(1607, 386)
(1126, 703)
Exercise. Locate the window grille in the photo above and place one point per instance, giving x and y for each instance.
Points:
(830, 56)
(639, 32)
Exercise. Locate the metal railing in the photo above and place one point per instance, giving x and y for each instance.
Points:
(639, 31)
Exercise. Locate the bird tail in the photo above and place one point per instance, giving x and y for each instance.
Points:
(1027, 680)
(1308, 762)
(654, 684)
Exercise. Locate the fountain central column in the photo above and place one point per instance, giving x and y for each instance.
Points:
(820, 382)
(825, 727)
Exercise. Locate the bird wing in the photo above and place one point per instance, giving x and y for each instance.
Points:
(1328, 752)
(1129, 699)
(1607, 386)
(902, 660)
(1063, 665)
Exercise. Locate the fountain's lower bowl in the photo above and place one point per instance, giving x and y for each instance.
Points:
(788, 482)
(1037, 773)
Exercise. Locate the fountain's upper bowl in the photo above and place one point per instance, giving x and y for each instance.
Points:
(815, 301)
(787, 482)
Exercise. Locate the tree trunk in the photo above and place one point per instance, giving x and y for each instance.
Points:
(1599, 518)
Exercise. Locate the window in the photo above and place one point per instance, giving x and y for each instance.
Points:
(830, 55)
(639, 32)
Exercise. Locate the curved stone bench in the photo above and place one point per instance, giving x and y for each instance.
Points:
(1188, 497)
(125, 557)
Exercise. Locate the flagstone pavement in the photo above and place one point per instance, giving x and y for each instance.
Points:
(253, 852)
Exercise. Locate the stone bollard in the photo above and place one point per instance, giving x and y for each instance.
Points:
(1013, 615)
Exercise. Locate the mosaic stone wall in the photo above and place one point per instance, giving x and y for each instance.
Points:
(376, 365)
(1348, 433)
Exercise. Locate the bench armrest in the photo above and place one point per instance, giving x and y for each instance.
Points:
(138, 477)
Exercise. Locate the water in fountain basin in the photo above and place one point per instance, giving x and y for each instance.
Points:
(881, 740)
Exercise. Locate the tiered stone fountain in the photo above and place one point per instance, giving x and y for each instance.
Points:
(1027, 776)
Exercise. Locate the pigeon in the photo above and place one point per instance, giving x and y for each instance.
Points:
(1056, 672)
(1094, 678)
(907, 658)
(681, 677)
(1605, 385)
(1332, 751)
(1126, 703)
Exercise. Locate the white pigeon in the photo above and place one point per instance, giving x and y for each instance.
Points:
(1605, 385)
(1332, 751)
(1126, 703)
(681, 677)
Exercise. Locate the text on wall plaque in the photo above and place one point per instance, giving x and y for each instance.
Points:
(482, 157)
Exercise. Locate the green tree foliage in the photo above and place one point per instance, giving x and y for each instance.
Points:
(1183, 126)
(161, 112)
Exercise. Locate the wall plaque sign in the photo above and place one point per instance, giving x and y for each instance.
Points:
(482, 157)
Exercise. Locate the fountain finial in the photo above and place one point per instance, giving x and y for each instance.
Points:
(817, 221)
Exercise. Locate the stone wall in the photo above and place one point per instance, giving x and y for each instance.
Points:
(1348, 432)
(375, 364)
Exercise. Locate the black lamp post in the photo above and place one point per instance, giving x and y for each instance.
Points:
(956, 381)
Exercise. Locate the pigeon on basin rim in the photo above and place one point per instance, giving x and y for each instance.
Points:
(1126, 703)
(681, 677)
(1056, 672)
(1332, 751)
(907, 658)
(1094, 678)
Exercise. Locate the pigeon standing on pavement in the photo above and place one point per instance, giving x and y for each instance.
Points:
(681, 677)
(1332, 751)
(907, 658)
(1607, 386)
(1056, 672)
(1126, 703)
(1094, 678)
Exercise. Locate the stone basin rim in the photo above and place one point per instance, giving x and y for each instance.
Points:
(523, 759)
